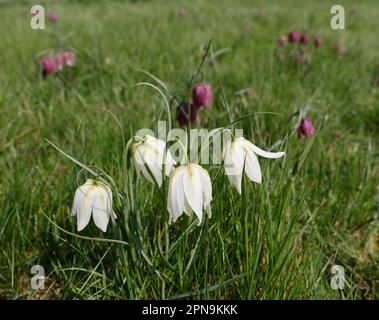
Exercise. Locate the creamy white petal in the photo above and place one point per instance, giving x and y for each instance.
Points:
(157, 173)
(234, 159)
(85, 208)
(110, 203)
(170, 162)
(187, 208)
(143, 158)
(150, 153)
(209, 210)
(234, 163)
(235, 180)
(100, 212)
(240, 151)
(147, 175)
(206, 188)
(93, 198)
(175, 200)
(200, 218)
(252, 167)
(192, 189)
(262, 153)
(154, 166)
(154, 142)
(228, 163)
(77, 200)
(138, 161)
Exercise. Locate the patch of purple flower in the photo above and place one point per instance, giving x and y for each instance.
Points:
(306, 129)
(202, 95)
(187, 114)
(51, 65)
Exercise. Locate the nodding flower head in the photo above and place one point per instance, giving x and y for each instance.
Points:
(306, 128)
(54, 64)
(190, 190)
(241, 157)
(202, 95)
(187, 114)
(94, 198)
(68, 58)
(294, 37)
(51, 65)
(149, 157)
(53, 17)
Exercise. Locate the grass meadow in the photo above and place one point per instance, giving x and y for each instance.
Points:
(315, 208)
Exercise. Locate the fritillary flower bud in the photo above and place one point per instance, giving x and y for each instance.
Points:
(294, 37)
(53, 17)
(51, 65)
(202, 95)
(187, 114)
(68, 58)
(306, 128)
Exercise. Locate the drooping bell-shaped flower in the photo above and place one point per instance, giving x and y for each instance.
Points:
(190, 190)
(240, 157)
(50, 65)
(148, 155)
(202, 95)
(294, 37)
(94, 198)
(53, 17)
(67, 58)
(55, 64)
(306, 128)
(187, 114)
